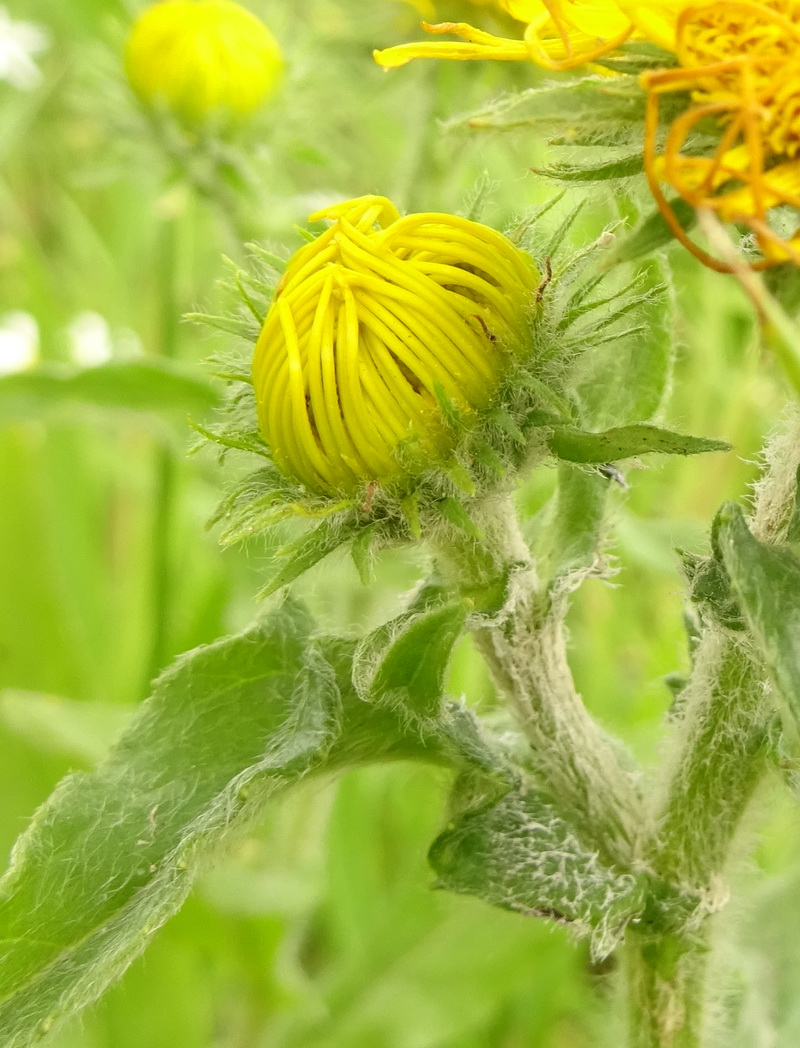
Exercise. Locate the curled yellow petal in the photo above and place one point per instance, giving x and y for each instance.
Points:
(371, 324)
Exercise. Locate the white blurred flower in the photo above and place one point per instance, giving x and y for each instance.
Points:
(20, 43)
(127, 343)
(19, 342)
(90, 341)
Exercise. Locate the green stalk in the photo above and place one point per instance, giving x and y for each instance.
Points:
(722, 757)
(524, 646)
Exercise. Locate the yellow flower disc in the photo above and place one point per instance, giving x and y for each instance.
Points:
(202, 59)
(739, 68)
(370, 324)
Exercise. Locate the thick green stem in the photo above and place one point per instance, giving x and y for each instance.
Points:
(721, 757)
(722, 760)
(524, 646)
(666, 981)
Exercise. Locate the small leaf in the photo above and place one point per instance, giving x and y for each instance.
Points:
(307, 551)
(163, 387)
(460, 476)
(570, 528)
(766, 582)
(624, 167)
(236, 440)
(361, 551)
(652, 234)
(409, 655)
(594, 110)
(521, 854)
(623, 442)
(453, 511)
(242, 326)
(626, 379)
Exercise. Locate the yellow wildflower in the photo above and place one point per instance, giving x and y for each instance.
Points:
(371, 323)
(202, 59)
(740, 63)
(559, 34)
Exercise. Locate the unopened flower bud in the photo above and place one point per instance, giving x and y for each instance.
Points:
(202, 59)
(373, 324)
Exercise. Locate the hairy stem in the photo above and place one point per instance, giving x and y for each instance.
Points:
(524, 646)
(721, 762)
(722, 756)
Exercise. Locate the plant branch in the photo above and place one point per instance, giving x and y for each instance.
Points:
(723, 754)
(524, 646)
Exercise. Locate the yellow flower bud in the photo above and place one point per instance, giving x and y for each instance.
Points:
(202, 59)
(372, 322)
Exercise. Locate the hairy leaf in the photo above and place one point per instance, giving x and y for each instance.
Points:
(596, 110)
(569, 529)
(623, 376)
(623, 442)
(305, 552)
(766, 581)
(622, 167)
(409, 656)
(112, 854)
(652, 233)
(522, 855)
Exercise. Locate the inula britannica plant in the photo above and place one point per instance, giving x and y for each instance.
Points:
(475, 397)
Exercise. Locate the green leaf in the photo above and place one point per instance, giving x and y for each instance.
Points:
(636, 57)
(623, 167)
(623, 442)
(305, 552)
(710, 586)
(651, 234)
(453, 510)
(626, 358)
(112, 854)
(766, 582)
(570, 528)
(361, 550)
(596, 110)
(160, 386)
(521, 854)
(409, 656)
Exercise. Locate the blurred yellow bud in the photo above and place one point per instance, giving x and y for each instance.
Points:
(372, 323)
(202, 59)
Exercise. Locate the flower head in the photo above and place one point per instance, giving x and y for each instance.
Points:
(372, 324)
(202, 59)
(739, 63)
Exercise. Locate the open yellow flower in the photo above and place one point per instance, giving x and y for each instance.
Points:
(559, 35)
(739, 66)
(740, 63)
(202, 59)
(372, 322)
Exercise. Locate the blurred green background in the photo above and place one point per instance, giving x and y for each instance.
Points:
(322, 931)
